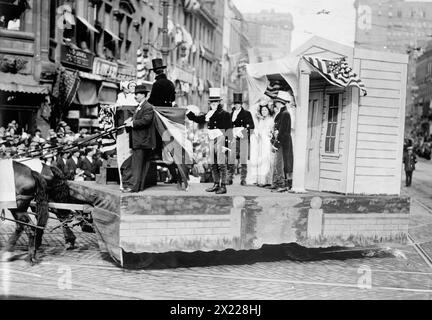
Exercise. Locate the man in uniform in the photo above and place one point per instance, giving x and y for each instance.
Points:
(163, 90)
(218, 123)
(143, 139)
(242, 123)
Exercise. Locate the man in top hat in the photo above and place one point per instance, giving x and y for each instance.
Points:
(218, 123)
(143, 139)
(242, 123)
(282, 143)
(163, 90)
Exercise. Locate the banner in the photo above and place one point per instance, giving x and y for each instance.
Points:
(170, 125)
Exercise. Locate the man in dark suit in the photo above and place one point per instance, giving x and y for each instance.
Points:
(61, 163)
(143, 138)
(282, 143)
(89, 164)
(162, 95)
(72, 164)
(218, 124)
(242, 123)
(163, 90)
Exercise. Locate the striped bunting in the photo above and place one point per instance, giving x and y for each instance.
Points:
(338, 73)
(106, 123)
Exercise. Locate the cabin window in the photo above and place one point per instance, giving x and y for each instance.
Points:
(332, 123)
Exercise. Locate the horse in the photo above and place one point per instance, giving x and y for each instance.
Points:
(58, 191)
(29, 185)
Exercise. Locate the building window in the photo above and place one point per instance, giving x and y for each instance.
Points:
(399, 13)
(13, 15)
(429, 68)
(332, 123)
(150, 33)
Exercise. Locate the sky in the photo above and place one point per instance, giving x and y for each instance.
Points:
(338, 26)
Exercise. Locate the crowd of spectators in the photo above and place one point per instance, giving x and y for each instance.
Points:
(61, 148)
(421, 143)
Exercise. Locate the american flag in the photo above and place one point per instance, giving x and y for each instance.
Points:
(106, 123)
(338, 73)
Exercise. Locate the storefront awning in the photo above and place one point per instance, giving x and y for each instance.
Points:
(112, 34)
(87, 24)
(20, 83)
(90, 76)
(108, 93)
(87, 93)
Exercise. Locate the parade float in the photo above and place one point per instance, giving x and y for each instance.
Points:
(347, 170)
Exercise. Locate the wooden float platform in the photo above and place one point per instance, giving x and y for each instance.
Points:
(164, 219)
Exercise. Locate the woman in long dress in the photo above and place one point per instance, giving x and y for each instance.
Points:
(261, 161)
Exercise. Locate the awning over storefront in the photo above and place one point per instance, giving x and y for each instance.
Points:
(112, 34)
(87, 93)
(87, 24)
(20, 83)
(90, 76)
(108, 93)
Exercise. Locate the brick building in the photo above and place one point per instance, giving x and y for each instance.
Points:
(51, 49)
(24, 47)
(396, 26)
(270, 33)
(193, 64)
(424, 98)
(235, 53)
(87, 46)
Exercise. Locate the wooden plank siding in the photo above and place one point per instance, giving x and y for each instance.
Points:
(380, 75)
(378, 127)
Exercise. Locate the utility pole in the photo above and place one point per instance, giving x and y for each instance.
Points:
(165, 39)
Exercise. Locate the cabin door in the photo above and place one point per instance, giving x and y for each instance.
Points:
(313, 141)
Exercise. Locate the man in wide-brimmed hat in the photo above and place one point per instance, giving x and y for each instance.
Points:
(282, 143)
(143, 140)
(163, 90)
(242, 123)
(218, 123)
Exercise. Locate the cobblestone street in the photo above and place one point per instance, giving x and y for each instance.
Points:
(85, 273)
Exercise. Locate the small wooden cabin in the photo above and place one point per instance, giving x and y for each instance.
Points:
(344, 142)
